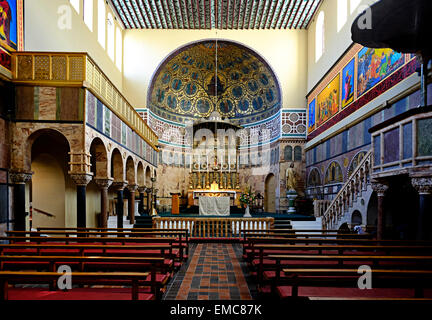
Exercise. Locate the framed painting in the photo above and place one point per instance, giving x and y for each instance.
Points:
(328, 101)
(311, 115)
(348, 84)
(374, 65)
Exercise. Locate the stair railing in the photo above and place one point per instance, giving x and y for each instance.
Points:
(348, 194)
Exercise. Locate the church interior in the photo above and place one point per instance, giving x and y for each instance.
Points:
(215, 150)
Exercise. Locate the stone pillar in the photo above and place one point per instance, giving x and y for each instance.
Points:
(19, 200)
(104, 184)
(141, 191)
(119, 186)
(424, 188)
(131, 202)
(149, 200)
(81, 180)
(380, 188)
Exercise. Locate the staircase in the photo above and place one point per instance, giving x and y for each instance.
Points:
(357, 185)
(144, 221)
(282, 223)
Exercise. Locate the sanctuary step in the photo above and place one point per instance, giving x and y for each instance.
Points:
(282, 223)
(143, 222)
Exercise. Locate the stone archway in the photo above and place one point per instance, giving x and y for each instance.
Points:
(270, 193)
(49, 151)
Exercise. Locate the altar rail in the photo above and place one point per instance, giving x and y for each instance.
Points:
(214, 227)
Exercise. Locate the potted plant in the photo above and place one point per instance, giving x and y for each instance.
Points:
(247, 198)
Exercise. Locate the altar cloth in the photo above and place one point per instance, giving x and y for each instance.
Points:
(214, 206)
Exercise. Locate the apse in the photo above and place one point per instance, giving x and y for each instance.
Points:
(214, 75)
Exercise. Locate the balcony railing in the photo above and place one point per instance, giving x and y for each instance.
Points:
(402, 143)
(78, 70)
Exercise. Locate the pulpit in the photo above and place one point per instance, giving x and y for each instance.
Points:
(175, 203)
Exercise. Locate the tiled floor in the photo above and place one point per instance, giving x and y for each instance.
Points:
(214, 272)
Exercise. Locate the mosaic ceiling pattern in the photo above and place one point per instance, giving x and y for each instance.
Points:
(201, 78)
(216, 14)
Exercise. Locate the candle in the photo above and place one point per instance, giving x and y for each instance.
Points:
(229, 162)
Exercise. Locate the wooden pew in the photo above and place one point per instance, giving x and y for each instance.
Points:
(133, 279)
(259, 262)
(157, 267)
(177, 254)
(124, 230)
(342, 261)
(183, 240)
(418, 280)
(253, 241)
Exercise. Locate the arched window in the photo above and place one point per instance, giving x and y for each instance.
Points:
(333, 174)
(88, 13)
(288, 153)
(355, 162)
(298, 153)
(101, 22)
(342, 13)
(119, 47)
(319, 36)
(111, 36)
(75, 4)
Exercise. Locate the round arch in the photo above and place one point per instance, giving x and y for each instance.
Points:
(140, 174)
(333, 173)
(244, 101)
(49, 156)
(99, 158)
(130, 171)
(117, 166)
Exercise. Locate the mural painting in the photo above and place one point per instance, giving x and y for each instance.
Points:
(348, 84)
(328, 101)
(374, 65)
(311, 119)
(8, 31)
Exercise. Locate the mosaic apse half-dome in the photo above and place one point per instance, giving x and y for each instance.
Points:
(199, 78)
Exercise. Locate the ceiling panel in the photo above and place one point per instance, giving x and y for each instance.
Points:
(215, 14)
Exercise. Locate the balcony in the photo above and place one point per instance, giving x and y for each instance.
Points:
(78, 70)
(403, 144)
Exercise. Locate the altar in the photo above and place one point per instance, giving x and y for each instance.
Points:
(214, 206)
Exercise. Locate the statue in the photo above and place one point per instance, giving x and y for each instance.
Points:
(291, 178)
(291, 184)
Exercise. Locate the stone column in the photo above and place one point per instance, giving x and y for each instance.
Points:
(131, 202)
(81, 180)
(149, 200)
(380, 188)
(141, 191)
(19, 200)
(424, 188)
(104, 184)
(119, 186)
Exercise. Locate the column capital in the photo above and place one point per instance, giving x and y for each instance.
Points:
(423, 185)
(103, 183)
(142, 189)
(119, 185)
(132, 187)
(20, 177)
(81, 179)
(379, 187)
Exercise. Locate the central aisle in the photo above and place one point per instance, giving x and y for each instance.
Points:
(214, 273)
